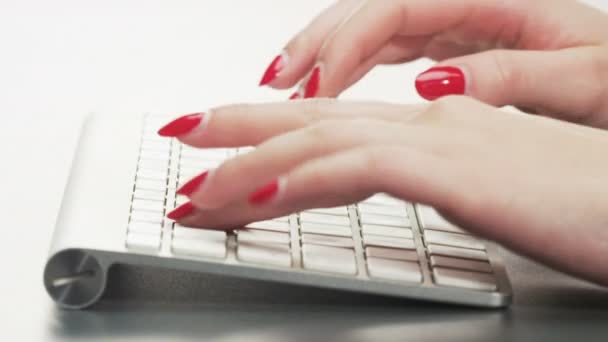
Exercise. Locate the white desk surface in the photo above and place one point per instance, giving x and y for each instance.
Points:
(63, 59)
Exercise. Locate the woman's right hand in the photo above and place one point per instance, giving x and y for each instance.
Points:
(550, 56)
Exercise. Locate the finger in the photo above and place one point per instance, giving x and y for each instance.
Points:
(344, 178)
(251, 124)
(357, 40)
(569, 84)
(235, 179)
(399, 50)
(301, 51)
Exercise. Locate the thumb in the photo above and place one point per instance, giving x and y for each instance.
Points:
(569, 84)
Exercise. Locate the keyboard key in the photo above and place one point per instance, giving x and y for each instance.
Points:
(397, 270)
(143, 242)
(330, 211)
(147, 216)
(181, 232)
(280, 226)
(337, 220)
(265, 254)
(387, 231)
(457, 252)
(151, 184)
(384, 199)
(144, 228)
(367, 208)
(464, 279)
(383, 241)
(244, 150)
(155, 155)
(462, 264)
(452, 239)
(385, 220)
(196, 166)
(327, 240)
(208, 246)
(326, 229)
(329, 259)
(254, 235)
(153, 175)
(154, 165)
(156, 146)
(391, 253)
(281, 219)
(179, 200)
(147, 205)
(153, 195)
(430, 219)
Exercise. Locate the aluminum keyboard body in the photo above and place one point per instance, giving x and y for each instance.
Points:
(123, 181)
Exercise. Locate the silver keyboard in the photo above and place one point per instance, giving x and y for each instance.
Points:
(381, 245)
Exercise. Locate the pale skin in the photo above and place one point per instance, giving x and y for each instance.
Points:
(534, 184)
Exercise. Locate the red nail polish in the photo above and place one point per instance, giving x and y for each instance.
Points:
(181, 211)
(312, 86)
(273, 70)
(440, 81)
(181, 125)
(193, 184)
(264, 193)
(294, 96)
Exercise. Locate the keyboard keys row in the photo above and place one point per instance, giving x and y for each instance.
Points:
(457, 259)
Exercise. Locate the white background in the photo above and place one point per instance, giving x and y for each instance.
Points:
(63, 59)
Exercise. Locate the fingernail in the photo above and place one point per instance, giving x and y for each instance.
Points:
(294, 96)
(265, 193)
(181, 211)
(181, 125)
(273, 70)
(312, 85)
(193, 184)
(440, 81)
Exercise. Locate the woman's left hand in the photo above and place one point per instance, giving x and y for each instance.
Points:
(517, 179)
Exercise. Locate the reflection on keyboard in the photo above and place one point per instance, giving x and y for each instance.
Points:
(380, 239)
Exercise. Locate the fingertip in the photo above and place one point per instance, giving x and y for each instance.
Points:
(440, 81)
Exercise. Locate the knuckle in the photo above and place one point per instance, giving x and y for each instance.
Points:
(301, 42)
(315, 110)
(323, 130)
(444, 107)
(501, 60)
(375, 159)
(598, 73)
(235, 109)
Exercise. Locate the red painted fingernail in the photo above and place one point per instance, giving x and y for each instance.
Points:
(181, 125)
(294, 96)
(273, 70)
(440, 81)
(264, 193)
(193, 184)
(312, 86)
(181, 211)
